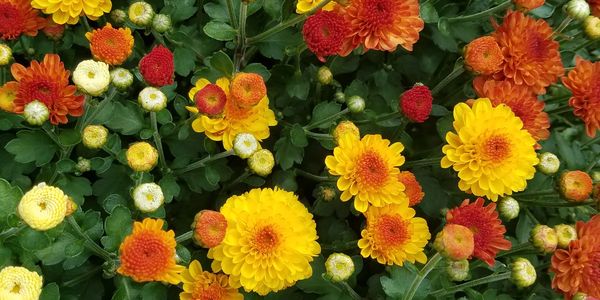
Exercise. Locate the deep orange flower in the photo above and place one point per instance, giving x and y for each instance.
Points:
(18, 17)
(382, 24)
(148, 253)
(47, 82)
(531, 56)
(584, 83)
(595, 6)
(528, 4)
(209, 228)
(54, 31)
(487, 228)
(483, 55)
(577, 269)
(110, 45)
(521, 100)
(8, 93)
(413, 189)
(247, 89)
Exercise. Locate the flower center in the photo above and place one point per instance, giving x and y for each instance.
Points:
(11, 22)
(91, 75)
(536, 46)
(371, 169)
(265, 240)
(391, 231)
(42, 205)
(378, 12)
(496, 148)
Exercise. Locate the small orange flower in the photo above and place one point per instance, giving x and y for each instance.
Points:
(413, 189)
(202, 285)
(584, 83)
(110, 45)
(483, 55)
(18, 17)
(247, 89)
(209, 228)
(148, 253)
(575, 186)
(8, 93)
(455, 242)
(527, 5)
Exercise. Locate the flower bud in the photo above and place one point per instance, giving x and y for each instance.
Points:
(148, 197)
(141, 157)
(339, 267)
(581, 296)
(83, 165)
(326, 192)
(565, 234)
(247, 89)
(345, 127)
(339, 97)
(544, 239)
(244, 145)
(118, 16)
(591, 26)
(94, 136)
(141, 13)
(356, 104)
(522, 272)
(209, 228)
(5, 54)
(36, 112)
(261, 162)
(596, 192)
(596, 176)
(152, 99)
(549, 163)
(577, 9)
(508, 208)
(121, 78)
(575, 186)
(457, 270)
(455, 242)
(416, 103)
(92, 77)
(71, 207)
(324, 75)
(211, 100)
(162, 23)
(54, 31)
(412, 188)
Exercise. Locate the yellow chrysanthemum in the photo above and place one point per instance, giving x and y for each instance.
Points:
(492, 153)
(304, 6)
(43, 207)
(393, 235)
(254, 120)
(202, 285)
(18, 283)
(141, 157)
(69, 11)
(270, 241)
(368, 170)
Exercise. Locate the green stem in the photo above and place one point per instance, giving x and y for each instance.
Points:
(457, 71)
(90, 244)
(340, 246)
(421, 275)
(555, 204)
(204, 161)
(590, 142)
(559, 110)
(231, 14)
(243, 176)
(11, 232)
(350, 291)
(83, 277)
(563, 25)
(107, 99)
(184, 237)
(325, 120)
(472, 283)
(423, 162)
(158, 142)
(313, 176)
(87, 26)
(536, 193)
(241, 44)
(531, 216)
(380, 118)
(318, 136)
(52, 135)
(482, 14)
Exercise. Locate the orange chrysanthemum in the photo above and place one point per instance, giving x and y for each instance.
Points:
(526, 5)
(8, 93)
(483, 55)
(148, 253)
(18, 17)
(382, 24)
(577, 269)
(521, 100)
(202, 285)
(247, 89)
(413, 189)
(584, 83)
(488, 231)
(209, 228)
(531, 56)
(47, 82)
(110, 45)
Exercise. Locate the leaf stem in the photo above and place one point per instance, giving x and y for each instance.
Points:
(457, 71)
(536, 193)
(11, 232)
(590, 142)
(380, 118)
(240, 48)
(90, 244)
(421, 275)
(158, 142)
(231, 14)
(313, 176)
(555, 204)
(325, 120)
(472, 283)
(482, 14)
(423, 162)
(318, 136)
(184, 237)
(204, 161)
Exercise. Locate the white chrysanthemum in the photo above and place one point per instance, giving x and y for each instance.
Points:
(5, 54)
(261, 162)
(244, 145)
(141, 13)
(92, 77)
(43, 207)
(148, 197)
(18, 283)
(152, 99)
(339, 266)
(121, 78)
(36, 112)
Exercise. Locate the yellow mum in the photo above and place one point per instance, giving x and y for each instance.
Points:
(303, 6)
(492, 153)
(69, 11)
(43, 207)
(255, 120)
(393, 235)
(199, 284)
(368, 170)
(270, 241)
(18, 283)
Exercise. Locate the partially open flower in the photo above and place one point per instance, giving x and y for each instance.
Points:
(18, 283)
(94, 136)
(522, 272)
(339, 267)
(575, 186)
(262, 162)
(36, 112)
(412, 188)
(92, 77)
(345, 127)
(5, 54)
(152, 99)
(158, 67)
(247, 89)
(142, 157)
(209, 228)
(148, 197)
(121, 78)
(565, 234)
(455, 242)
(162, 23)
(544, 239)
(141, 13)
(483, 56)
(211, 100)
(244, 145)
(43, 207)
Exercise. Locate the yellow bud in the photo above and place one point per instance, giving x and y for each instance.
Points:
(94, 136)
(141, 157)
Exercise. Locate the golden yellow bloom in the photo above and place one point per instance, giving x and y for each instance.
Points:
(368, 170)
(234, 120)
(18, 283)
(270, 241)
(142, 157)
(200, 285)
(94, 136)
(304, 6)
(393, 235)
(69, 11)
(345, 127)
(492, 153)
(43, 207)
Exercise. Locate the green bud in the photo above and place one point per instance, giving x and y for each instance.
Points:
(356, 104)
(457, 270)
(508, 208)
(522, 272)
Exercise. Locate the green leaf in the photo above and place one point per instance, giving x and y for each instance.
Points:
(524, 227)
(50, 292)
(181, 11)
(286, 154)
(222, 63)
(428, 12)
(65, 165)
(216, 11)
(33, 240)
(439, 111)
(400, 280)
(185, 60)
(69, 137)
(76, 187)
(169, 187)
(357, 88)
(324, 110)
(298, 87)
(9, 199)
(111, 201)
(127, 118)
(259, 69)
(298, 136)
(220, 31)
(117, 226)
(32, 146)
(55, 253)
(273, 8)
(154, 291)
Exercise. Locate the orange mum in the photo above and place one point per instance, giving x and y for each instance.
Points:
(531, 56)
(577, 269)
(18, 17)
(488, 231)
(382, 24)
(47, 82)
(413, 189)
(584, 83)
(528, 4)
(110, 45)
(247, 89)
(483, 55)
(148, 253)
(8, 93)
(521, 100)
(209, 228)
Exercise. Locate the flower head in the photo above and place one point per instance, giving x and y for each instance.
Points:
(591, 26)
(142, 157)
(483, 55)
(157, 67)
(141, 13)
(416, 103)
(18, 283)
(488, 231)
(325, 32)
(261, 162)
(148, 197)
(202, 285)
(584, 83)
(394, 235)
(527, 5)
(5, 54)
(47, 82)
(343, 128)
(210, 100)
(339, 267)
(36, 113)
(492, 153)
(152, 99)
(549, 163)
(368, 170)
(578, 9)
(270, 241)
(247, 89)
(92, 77)
(162, 23)
(245, 144)
(69, 11)
(8, 93)
(94, 136)
(148, 253)
(43, 207)
(54, 31)
(455, 242)
(110, 45)
(303, 6)
(543, 238)
(324, 75)
(121, 78)
(17, 18)
(575, 186)
(413, 189)
(522, 272)
(209, 228)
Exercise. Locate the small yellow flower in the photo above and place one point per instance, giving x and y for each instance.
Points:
(345, 127)
(43, 207)
(69, 11)
(18, 283)
(261, 162)
(199, 284)
(94, 136)
(142, 157)
(141, 13)
(5, 54)
(304, 6)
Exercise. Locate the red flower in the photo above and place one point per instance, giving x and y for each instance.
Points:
(416, 103)
(18, 17)
(325, 32)
(584, 83)
(211, 100)
(157, 67)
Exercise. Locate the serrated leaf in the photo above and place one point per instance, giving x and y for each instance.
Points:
(9, 199)
(118, 224)
(154, 291)
(322, 111)
(286, 154)
(127, 118)
(32, 146)
(169, 187)
(428, 12)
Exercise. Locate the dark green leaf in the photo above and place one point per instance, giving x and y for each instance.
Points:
(50, 292)
(298, 136)
(32, 146)
(185, 60)
(219, 31)
(221, 62)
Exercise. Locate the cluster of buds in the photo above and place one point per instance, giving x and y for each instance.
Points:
(142, 14)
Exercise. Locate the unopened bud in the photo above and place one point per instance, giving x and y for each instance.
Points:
(566, 234)
(457, 270)
(577, 9)
(141, 13)
(356, 104)
(162, 23)
(324, 75)
(544, 239)
(261, 162)
(94, 136)
(508, 208)
(36, 113)
(575, 186)
(549, 163)
(339, 267)
(522, 272)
